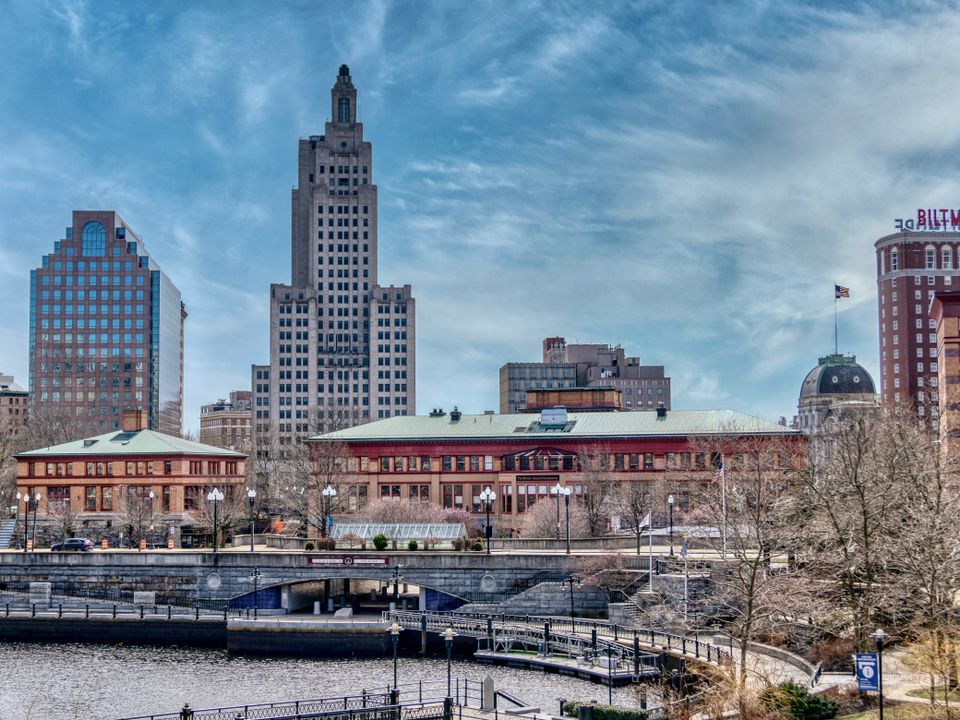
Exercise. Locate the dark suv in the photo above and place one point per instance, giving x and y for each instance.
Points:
(79, 544)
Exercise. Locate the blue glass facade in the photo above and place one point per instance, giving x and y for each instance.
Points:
(106, 328)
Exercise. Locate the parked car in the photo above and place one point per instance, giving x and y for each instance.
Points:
(78, 544)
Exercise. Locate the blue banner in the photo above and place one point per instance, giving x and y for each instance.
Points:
(868, 677)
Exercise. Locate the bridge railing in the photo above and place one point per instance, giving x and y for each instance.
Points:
(607, 633)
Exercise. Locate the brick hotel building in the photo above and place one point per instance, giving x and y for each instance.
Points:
(911, 268)
(106, 328)
(342, 346)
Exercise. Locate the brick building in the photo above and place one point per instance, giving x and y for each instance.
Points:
(13, 401)
(642, 387)
(342, 346)
(101, 480)
(106, 328)
(226, 423)
(450, 459)
(911, 268)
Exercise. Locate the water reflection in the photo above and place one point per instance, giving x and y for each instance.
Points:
(94, 681)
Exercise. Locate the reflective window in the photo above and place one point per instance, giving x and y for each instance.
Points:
(93, 240)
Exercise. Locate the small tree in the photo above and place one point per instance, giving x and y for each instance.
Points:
(540, 521)
(597, 483)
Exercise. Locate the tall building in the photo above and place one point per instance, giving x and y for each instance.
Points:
(226, 423)
(642, 387)
(106, 328)
(342, 346)
(911, 268)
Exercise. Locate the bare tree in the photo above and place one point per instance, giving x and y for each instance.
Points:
(634, 505)
(133, 511)
(540, 521)
(597, 483)
(62, 516)
(228, 513)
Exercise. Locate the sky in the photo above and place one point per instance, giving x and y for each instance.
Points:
(686, 179)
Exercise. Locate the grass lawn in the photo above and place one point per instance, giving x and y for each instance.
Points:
(907, 711)
(954, 695)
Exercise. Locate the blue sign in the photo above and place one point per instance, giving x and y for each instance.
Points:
(868, 677)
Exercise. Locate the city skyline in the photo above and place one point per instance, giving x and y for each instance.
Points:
(589, 172)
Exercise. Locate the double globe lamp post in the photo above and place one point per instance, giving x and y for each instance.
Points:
(559, 491)
(216, 497)
(487, 497)
(328, 493)
(30, 502)
(251, 500)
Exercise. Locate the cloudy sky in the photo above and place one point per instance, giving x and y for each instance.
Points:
(686, 179)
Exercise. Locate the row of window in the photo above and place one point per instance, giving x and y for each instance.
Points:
(131, 468)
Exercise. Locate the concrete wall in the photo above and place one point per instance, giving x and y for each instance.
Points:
(553, 598)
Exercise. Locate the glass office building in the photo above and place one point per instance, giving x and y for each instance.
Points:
(106, 329)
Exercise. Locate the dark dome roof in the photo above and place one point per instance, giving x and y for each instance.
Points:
(837, 375)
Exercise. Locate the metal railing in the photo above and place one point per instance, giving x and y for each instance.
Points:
(607, 633)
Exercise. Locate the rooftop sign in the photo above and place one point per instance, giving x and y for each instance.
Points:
(930, 220)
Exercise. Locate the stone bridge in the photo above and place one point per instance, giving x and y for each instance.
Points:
(296, 578)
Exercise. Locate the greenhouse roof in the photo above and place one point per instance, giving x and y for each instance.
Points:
(399, 531)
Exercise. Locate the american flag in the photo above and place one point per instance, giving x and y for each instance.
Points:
(718, 473)
(839, 291)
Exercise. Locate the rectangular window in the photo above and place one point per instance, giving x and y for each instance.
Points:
(461, 463)
(446, 465)
(165, 495)
(106, 503)
(90, 499)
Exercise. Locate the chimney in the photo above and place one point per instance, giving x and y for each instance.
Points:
(455, 414)
(133, 420)
(661, 410)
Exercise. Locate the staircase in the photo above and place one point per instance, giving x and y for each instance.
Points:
(6, 532)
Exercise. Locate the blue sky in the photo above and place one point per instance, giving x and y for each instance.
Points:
(685, 179)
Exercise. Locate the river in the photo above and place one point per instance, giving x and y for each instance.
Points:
(61, 682)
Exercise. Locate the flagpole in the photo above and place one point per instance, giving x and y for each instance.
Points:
(723, 502)
(836, 344)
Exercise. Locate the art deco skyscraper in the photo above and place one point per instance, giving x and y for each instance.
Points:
(342, 347)
(106, 329)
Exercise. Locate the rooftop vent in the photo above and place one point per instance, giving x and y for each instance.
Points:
(489, 412)
(89, 443)
(661, 410)
(455, 414)
(553, 417)
(437, 412)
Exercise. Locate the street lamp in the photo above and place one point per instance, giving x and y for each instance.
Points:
(448, 641)
(570, 580)
(329, 493)
(395, 637)
(251, 499)
(36, 503)
(216, 497)
(396, 588)
(566, 507)
(879, 637)
(255, 576)
(145, 505)
(670, 501)
(17, 509)
(26, 516)
(487, 497)
(558, 491)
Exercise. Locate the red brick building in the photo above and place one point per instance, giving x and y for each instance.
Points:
(450, 459)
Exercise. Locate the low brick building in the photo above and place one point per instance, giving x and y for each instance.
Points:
(100, 483)
(450, 459)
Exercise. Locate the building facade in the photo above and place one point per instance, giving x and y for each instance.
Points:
(911, 268)
(105, 482)
(642, 387)
(226, 423)
(13, 401)
(837, 385)
(945, 312)
(449, 459)
(106, 328)
(342, 346)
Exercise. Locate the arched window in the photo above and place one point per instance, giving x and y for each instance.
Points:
(343, 110)
(894, 265)
(946, 258)
(931, 257)
(93, 240)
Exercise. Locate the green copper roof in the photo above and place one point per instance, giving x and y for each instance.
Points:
(141, 442)
(676, 423)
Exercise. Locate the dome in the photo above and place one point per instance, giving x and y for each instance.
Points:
(837, 375)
